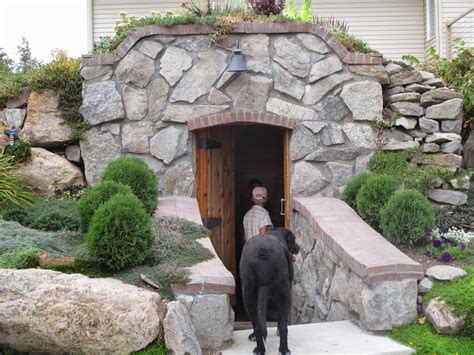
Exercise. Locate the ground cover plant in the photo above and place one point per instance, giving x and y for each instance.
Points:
(24, 259)
(15, 238)
(454, 244)
(19, 151)
(44, 214)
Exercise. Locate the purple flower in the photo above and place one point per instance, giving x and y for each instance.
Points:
(462, 246)
(446, 257)
(428, 232)
(437, 243)
(427, 252)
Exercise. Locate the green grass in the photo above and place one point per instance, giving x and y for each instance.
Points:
(154, 348)
(459, 295)
(425, 340)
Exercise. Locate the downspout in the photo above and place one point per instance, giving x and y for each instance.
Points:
(90, 30)
(439, 27)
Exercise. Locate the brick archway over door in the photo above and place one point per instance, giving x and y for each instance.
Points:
(241, 117)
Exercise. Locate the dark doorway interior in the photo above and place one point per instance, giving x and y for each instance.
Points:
(258, 154)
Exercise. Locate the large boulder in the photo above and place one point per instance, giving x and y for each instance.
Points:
(442, 318)
(46, 171)
(50, 312)
(213, 318)
(180, 335)
(44, 125)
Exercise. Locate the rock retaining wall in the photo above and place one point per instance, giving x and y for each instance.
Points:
(346, 270)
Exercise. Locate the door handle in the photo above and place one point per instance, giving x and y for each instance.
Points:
(282, 207)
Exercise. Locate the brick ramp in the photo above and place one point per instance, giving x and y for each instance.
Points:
(342, 337)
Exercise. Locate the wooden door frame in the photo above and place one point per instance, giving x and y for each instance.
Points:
(286, 176)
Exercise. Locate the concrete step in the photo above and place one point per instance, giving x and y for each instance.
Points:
(342, 337)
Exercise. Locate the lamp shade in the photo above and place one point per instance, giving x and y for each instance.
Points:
(237, 62)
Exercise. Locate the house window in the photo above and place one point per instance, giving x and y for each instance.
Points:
(430, 19)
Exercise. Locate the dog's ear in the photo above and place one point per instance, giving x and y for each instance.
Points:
(291, 242)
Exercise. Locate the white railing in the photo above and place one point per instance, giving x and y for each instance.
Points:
(465, 28)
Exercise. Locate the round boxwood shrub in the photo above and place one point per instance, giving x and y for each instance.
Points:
(96, 196)
(352, 188)
(373, 195)
(406, 216)
(120, 234)
(134, 172)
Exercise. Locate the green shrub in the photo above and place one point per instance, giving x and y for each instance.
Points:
(405, 217)
(120, 234)
(19, 151)
(96, 196)
(134, 172)
(11, 85)
(403, 165)
(373, 195)
(459, 296)
(352, 188)
(24, 259)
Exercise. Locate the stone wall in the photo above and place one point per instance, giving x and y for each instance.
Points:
(346, 270)
(427, 115)
(140, 101)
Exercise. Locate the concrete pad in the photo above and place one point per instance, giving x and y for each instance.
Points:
(342, 337)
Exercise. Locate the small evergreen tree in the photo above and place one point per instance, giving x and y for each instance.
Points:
(306, 13)
(26, 61)
(290, 10)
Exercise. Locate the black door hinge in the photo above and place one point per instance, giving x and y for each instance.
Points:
(210, 223)
(207, 143)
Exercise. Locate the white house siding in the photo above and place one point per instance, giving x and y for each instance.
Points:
(394, 28)
(450, 9)
(105, 12)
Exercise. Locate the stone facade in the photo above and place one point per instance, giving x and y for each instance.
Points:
(330, 288)
(153, 95)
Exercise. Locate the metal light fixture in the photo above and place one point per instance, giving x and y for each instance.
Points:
(237, 62)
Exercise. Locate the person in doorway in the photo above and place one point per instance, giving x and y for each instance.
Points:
(257, 220)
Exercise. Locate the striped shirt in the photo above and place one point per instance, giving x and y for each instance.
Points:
(256, 218)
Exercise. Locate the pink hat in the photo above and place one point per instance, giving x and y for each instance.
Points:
(259, 192)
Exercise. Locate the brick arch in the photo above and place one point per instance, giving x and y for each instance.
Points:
(224, 118)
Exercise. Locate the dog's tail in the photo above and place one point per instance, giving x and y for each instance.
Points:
(262, 303)
(263, 253)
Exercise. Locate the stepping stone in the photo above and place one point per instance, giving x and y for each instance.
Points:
(321, 338)
(445, 272)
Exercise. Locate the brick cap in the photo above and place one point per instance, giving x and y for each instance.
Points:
(238, 28)
(240, 117)
(209, 276)
(361, 248)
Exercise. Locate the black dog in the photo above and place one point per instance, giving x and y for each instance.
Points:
(266, 272)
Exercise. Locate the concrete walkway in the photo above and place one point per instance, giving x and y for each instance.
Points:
(342, 337)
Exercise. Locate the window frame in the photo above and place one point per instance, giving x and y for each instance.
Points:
(431, 19)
